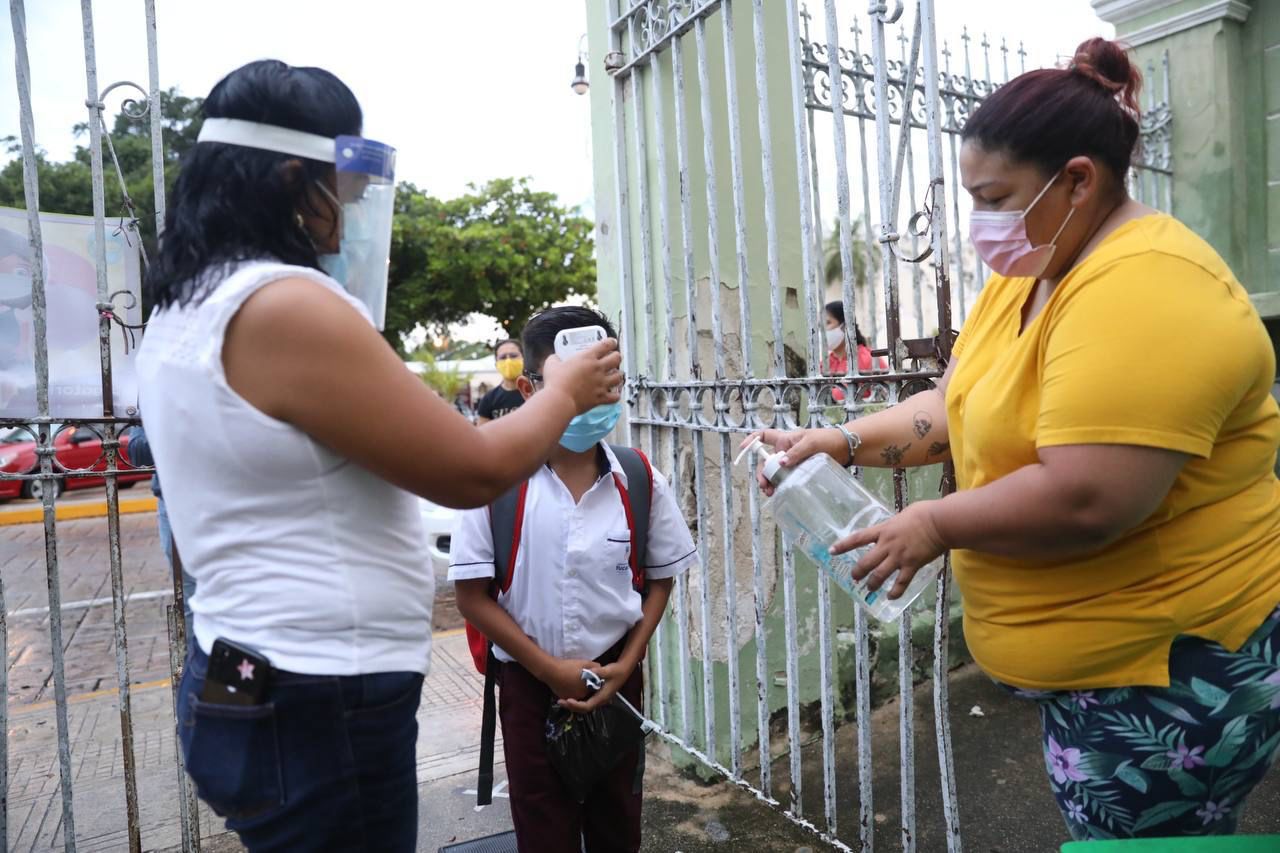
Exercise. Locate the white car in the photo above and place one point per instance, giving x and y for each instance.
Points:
(437, 522)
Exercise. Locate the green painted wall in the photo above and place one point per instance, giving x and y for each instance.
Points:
(669, 321)
(787, 195)
(1225, 94)
(1264, 45)
(1209, 142)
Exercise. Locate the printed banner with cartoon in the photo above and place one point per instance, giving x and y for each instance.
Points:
(71, 298)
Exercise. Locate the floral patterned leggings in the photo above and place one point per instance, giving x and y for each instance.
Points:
(1134, 762)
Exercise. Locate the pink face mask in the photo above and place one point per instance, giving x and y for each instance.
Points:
(1000, 238)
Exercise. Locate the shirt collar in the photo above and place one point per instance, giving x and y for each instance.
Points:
(611, 464)
(608, 462)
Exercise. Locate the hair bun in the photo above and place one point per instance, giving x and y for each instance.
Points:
(1107, 64)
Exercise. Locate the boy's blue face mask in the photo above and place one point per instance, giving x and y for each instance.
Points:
(588, 429)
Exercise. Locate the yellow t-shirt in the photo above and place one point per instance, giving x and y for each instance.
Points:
(1149, 341)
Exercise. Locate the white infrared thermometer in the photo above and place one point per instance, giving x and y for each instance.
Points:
(570, 342)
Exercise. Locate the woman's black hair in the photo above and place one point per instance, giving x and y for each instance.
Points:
(1050, 115)
(836, 310)
(232, 203)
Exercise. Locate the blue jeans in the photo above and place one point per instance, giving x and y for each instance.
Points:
(166, 544)
(327, 763)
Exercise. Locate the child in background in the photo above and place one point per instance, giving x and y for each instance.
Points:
(506, 398)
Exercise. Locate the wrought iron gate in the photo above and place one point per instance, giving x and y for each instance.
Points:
(44, 426)
(719, 341)
(708, 363)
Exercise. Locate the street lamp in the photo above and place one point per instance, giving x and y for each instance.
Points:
(580, 84)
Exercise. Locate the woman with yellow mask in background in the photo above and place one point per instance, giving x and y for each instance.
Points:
(504, 399)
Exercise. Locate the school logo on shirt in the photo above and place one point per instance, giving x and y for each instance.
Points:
(624, 539)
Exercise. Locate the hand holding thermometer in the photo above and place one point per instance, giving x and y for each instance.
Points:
(573, 341)
(599, 364)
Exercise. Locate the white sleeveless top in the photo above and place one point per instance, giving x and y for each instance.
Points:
(296, 551)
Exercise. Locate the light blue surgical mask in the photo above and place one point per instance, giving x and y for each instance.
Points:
(338, 265)
(589, 429)
(335, 266)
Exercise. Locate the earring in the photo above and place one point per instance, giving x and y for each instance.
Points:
(297, 217)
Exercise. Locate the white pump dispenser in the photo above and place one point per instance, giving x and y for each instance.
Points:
(817, 503)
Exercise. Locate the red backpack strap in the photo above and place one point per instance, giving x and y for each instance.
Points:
(637, 573)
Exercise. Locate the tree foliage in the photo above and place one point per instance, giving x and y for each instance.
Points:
(866, 260)
(503, 250)
(447, 382)
(67, 187)
(449, 349)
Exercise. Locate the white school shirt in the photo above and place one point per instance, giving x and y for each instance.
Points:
(571, 591)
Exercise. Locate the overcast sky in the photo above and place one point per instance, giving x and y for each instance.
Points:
(466, 91)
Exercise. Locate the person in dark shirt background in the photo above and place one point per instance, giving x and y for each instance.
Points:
(504, 399)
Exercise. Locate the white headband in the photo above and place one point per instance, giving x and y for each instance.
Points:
(267, 137)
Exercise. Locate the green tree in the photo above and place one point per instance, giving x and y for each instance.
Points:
(503, 250)
(446, 382)
(866, 261)
(464, 350)
(67, 187)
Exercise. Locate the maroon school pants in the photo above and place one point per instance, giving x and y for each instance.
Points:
(546, 818)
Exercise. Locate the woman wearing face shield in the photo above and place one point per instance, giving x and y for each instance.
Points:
(1116, 529)
(276, 411)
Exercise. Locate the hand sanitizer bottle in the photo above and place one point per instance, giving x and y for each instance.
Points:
(818, 503)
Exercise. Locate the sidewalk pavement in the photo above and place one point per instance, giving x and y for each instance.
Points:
(449, 734)
(88, 631)
(681, 814)
(1004, 799)
(1005, 805)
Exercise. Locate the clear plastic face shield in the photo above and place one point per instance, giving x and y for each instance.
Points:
(364, 195)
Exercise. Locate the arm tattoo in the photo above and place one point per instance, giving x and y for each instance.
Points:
(892, 455)
(937, 449)
(922, 424)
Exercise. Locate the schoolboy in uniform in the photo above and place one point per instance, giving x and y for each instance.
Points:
(571, 601)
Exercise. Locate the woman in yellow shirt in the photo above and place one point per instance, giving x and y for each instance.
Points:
(1116, 530)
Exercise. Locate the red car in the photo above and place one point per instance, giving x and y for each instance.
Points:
(74, 448)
